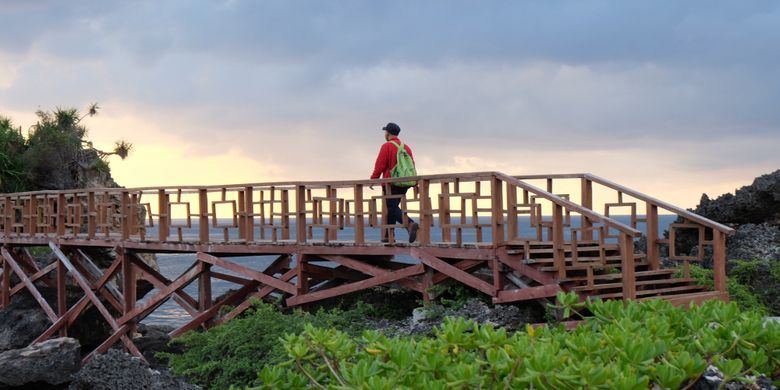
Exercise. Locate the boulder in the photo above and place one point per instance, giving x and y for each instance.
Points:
(116, 370)
(51, 362)
(21, 322)
(756, 203)
(754, 242)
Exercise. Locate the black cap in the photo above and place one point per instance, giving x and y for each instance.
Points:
(392, 128)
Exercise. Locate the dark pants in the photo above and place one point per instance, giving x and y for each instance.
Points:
(394, 213)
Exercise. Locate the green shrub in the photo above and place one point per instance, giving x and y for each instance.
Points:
(233, 353)
(739, 292)
(624, 346)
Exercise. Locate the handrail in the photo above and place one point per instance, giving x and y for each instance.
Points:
(288, 184)
(679, 211)
(570, 205)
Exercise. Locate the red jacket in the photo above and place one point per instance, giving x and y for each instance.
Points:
(387, 159)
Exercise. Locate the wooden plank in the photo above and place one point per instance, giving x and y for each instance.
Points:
(524, 269)
(697, 298)
(607, 286)
(524, 294)
(9, 261)
(356, 286)
(639, 274)
(658, 292)
(453, 272)
(246, 271)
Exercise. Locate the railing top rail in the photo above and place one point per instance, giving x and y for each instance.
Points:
(571, 205)
(664, 205)
(283, 184)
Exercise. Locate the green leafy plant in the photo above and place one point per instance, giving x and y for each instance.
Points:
(604, 352)
(233, 353)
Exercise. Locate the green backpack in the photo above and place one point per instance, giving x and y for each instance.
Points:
(404, 167)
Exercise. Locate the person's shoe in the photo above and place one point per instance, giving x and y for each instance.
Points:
(384, 240)
(413, 227)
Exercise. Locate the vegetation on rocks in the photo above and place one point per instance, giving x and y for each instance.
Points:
(233, 353)
(54, 154)
(676, 347)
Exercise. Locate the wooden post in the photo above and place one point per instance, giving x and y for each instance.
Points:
(129, 292)
(61, 206)
(62, 295)
(9, 217)
(587, 202)
(653, 256)
(424, 234)
(286, 214)
(91, 215)
(331, 195)
(5, 286)
(203, 214)
(249, 209)
(427, 285)
(241, 215)
(444, 212)
(628, 266)
(303, 280)
(125, 213)
(31, 216)
(559, 251)
(300, 214)
(204, 288)
(497, 211)
(360, 233)
(511, 210)
(719, 259)
(163, 222)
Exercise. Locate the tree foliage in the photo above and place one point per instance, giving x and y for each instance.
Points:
(56, 153)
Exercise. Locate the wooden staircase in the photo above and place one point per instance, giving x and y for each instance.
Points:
(594, 269)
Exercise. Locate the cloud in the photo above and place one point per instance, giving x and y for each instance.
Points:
(304, 87)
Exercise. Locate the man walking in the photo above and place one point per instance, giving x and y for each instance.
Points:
(385, 161)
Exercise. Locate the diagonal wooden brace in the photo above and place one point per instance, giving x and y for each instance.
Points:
(9, 260)
(370, 270)
(95, 301)
(248, 272)
(452, 271)
(357, 286)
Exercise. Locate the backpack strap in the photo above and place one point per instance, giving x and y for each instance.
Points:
(401, 146)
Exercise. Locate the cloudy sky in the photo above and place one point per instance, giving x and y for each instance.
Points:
(672, 98)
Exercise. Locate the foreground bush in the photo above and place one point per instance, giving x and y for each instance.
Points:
(233, 353)
(635, 346)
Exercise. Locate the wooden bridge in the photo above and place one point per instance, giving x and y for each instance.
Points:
(514, 238)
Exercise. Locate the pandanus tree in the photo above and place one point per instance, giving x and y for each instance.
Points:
(55, 154)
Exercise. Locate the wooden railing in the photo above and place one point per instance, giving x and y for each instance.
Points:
(485, 209)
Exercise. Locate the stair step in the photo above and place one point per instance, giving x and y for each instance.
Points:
(661, 291)
(593, 259)
(605, 286)
(583, 267)
(638, 274)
